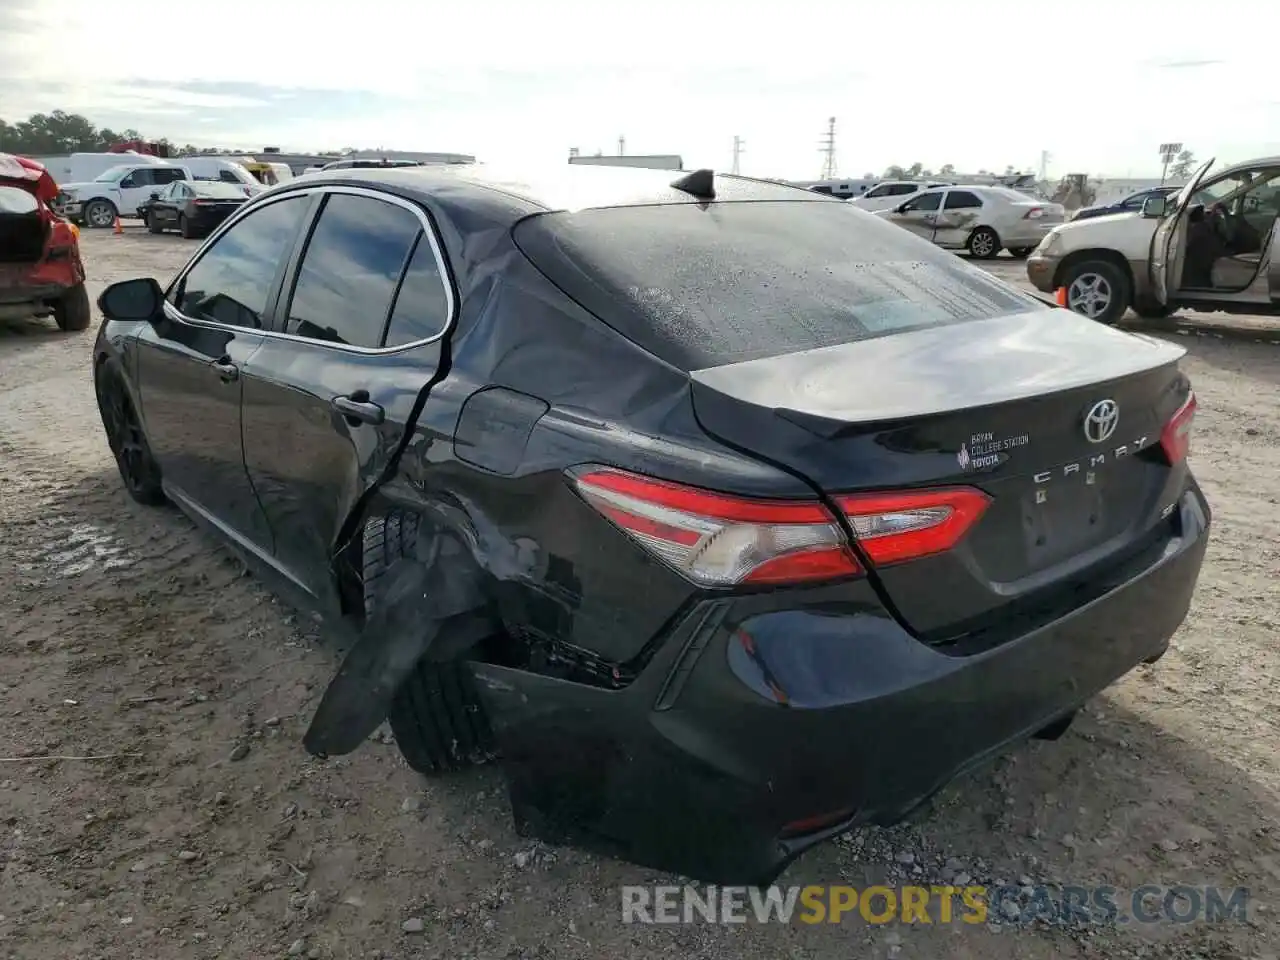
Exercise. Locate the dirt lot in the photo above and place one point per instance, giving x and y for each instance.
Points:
(208, 832)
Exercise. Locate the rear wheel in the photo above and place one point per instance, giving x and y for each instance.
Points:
(1020, 253)
(185, 228)
(1098, 290)
(72, 310)
(983, 243)
(138, 469)
(100, 214)
(436, 716)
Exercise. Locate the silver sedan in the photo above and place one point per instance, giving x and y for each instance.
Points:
(981, 220)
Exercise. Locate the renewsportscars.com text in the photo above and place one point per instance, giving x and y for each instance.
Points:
(814, 904)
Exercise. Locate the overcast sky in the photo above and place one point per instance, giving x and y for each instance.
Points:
(979, 85)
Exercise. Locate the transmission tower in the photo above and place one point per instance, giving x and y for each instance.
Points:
(622, 146)
(828, 148)
(738, 151)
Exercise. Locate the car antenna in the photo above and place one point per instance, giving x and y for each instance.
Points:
(697, 183)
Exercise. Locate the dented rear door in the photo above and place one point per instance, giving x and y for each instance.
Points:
(333, 393)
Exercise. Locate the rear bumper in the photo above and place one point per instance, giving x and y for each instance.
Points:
(765, 724)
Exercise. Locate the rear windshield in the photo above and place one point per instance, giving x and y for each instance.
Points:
(705, 285)
(17, 200)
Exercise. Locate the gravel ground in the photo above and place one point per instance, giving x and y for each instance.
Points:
(208, 832)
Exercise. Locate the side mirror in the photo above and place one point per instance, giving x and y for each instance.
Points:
(155, 194)
(1153, 208)
(901, 208)
(140, 299)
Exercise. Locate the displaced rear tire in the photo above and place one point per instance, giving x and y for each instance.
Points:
(153, 224)
(1097, 289)
(984, 244)
(436, 715)
(72, 310)
(184, 228)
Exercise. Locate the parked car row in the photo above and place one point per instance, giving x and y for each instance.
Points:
(121, 190)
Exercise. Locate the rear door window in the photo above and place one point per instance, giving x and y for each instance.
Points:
(422, 305)
(351, 269)
(962, 200)
(705, 285)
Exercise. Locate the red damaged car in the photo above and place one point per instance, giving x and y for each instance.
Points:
(41, 272)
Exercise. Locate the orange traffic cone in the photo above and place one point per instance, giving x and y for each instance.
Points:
(119, 227)
(1060, 296)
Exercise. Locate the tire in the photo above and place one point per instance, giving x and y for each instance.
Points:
(436, 715)
(153, 224)
(984, 244)
(138, 468)
(1020, 253)
(1097, 289)
(72, 310)
(100, 214)
(1151, 310)
(184, 227)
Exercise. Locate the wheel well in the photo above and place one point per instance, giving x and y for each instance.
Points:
(1112, 257)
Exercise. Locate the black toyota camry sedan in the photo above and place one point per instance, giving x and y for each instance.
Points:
(724, 515)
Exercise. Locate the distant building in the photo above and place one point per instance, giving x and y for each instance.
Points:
(651, 162)
(411, 155)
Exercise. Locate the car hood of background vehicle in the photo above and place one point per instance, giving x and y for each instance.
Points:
(940, 369)
(72, 188)
(1129, 234)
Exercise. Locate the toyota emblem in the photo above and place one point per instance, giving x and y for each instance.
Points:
(1101, 421)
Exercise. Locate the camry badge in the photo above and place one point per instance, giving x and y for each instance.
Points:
(1101, 421)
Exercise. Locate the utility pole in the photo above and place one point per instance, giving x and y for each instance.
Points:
(622, 146)
(828, 148)
(737, 152)
(1045, 157)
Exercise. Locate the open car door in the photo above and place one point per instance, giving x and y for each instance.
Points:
(1170, 236)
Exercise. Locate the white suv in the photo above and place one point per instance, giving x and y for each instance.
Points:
(887, 194)
(1211, 246)
(118, 191)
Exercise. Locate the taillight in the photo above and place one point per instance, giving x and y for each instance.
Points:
(1035, 213)
(1176, 436)
(892, 527)
(719, 540)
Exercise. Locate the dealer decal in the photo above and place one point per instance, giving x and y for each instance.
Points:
(983, 450)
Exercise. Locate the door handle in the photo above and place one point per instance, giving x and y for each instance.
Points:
(228, 372)
(358, 408)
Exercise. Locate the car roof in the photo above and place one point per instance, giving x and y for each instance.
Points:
(563, 188)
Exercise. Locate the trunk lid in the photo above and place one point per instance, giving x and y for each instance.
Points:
(997, 404)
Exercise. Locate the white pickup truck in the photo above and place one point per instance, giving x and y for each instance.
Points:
(118, 191)
(1209, 247)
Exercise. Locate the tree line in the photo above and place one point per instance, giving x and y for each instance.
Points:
(46, 134)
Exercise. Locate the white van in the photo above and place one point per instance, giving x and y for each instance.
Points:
(223, 170)
(89, 166)
(117, 192)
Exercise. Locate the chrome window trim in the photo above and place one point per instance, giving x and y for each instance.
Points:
(424, 220)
